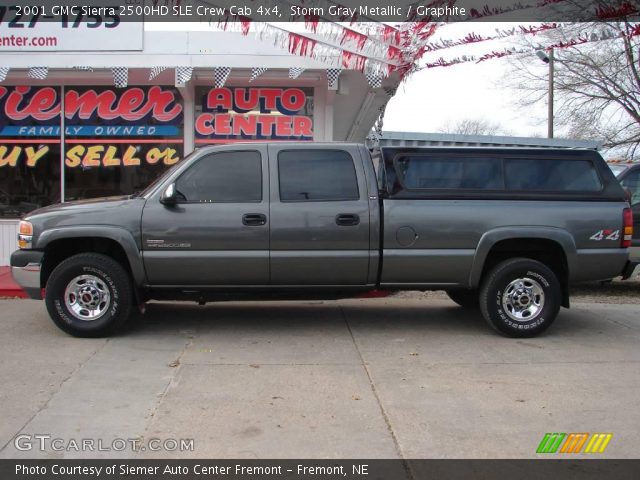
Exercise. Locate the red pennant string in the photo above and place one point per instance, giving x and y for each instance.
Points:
(348, 57)
(476, 38)
(581, 39)
(359, 38)
(608, 12)
(390, 34)
(299, 45)
(487, 11)
(311, 21)
(245, 22)
(393, 53)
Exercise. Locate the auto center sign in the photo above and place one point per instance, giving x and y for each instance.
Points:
(258, 113)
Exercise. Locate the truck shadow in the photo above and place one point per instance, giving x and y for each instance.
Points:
(371, 315)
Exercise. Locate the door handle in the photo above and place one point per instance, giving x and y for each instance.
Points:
(347, 219)
(254, 219)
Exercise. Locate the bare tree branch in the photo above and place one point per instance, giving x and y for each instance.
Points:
(596, 85)
(474, 126)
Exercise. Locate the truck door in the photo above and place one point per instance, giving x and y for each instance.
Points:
(319, 216)
(218, 232)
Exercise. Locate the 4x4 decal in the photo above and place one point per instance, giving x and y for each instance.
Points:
(606, 235)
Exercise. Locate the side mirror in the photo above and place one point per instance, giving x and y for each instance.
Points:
(169, 196)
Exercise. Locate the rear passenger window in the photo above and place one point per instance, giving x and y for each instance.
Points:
(426, 172)
(551, 175)
(317, 175)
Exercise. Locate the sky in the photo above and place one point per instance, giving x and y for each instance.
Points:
(434, 98)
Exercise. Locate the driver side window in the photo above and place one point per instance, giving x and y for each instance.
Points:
(225, 177)
(632, 182)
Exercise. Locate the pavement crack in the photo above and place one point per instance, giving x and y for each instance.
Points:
(374, 390)
(45, 405)
(176, 367)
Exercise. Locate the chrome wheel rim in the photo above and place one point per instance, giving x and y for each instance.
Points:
(523, 299)
(87, 297)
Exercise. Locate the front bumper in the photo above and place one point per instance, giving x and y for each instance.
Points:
(25, 269)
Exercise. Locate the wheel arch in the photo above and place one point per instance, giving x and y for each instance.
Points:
(115, 242)
(554, 247)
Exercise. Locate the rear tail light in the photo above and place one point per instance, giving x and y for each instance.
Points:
(627, 227)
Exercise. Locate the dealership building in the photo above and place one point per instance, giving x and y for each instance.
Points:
(89, 112)
(138, 100)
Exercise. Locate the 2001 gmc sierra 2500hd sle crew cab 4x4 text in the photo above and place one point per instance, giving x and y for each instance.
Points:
(506, 230)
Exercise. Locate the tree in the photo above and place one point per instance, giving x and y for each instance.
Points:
(596, 84)
(474, 126)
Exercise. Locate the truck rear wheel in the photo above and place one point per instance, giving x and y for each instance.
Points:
(520, 297)
(464, 298)
(89, 295)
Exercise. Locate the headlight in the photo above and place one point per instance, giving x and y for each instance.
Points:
(25, 235)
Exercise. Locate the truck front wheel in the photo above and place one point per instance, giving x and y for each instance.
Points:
(89, 295)
(520, 297)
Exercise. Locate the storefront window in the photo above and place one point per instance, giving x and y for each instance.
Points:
(29, 149)
(226, 115)
(119, 140)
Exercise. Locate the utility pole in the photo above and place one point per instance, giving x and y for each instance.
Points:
(548, 59)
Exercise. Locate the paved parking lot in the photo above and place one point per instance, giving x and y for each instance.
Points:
(376, 378)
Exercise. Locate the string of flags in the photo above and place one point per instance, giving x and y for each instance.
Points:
(120, 77)
(375, 80)
(581, 39)
(220, 75)
(256, 72)
(38, 73)
(600, 33)
(332, 77)
(295, 72)
(377, 49)
(183, 75)
(500, 34)
(155, 71)
(331, 55)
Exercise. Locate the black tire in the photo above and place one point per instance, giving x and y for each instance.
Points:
(465, 298)
(104, 272)
(502, 296)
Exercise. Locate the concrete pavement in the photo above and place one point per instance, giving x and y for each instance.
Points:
(375, 378)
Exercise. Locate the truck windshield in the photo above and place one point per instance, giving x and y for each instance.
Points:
(163, 176)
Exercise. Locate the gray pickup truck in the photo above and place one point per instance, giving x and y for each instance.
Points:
(506, 231)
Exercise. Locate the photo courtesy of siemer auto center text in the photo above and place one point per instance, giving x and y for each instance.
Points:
(319, 239)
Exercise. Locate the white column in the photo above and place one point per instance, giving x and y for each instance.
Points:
(189, 114)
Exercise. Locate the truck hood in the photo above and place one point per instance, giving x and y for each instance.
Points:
(79, 204)
(123, 212)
